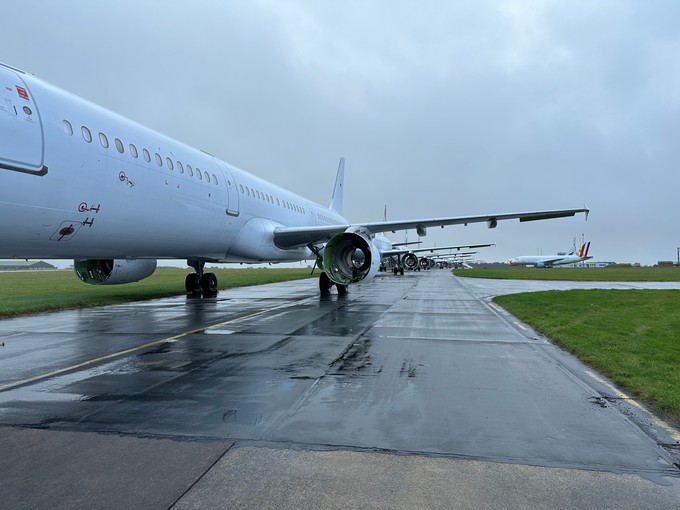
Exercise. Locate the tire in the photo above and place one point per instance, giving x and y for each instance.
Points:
(324, 284)
(209, 284)
(191, 283)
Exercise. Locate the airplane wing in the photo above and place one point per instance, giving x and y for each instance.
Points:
(292, 237)
(432, 249)
(406, 244)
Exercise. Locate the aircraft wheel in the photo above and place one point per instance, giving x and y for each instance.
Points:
(401, 271)
(324, 284)
(190, 283)
(209, 284)
(342, 289)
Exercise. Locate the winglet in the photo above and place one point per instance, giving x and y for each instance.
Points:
(586, 210)
(336, 201)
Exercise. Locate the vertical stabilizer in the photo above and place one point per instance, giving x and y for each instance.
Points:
(336, 201)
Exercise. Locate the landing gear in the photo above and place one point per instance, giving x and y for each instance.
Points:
(325, 285)
(199, 282)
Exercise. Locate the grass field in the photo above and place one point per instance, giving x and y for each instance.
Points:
(23, 293)
(631, 336)
(589, 274)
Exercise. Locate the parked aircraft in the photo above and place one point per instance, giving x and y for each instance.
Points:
(552, 260)
(79, 181)
(407, 258)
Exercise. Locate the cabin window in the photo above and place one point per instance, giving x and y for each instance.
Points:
(199, 175)
(215, 180)
(103, 140)
(147, 156)
(87, 136)
(248, 191)
(207, 177)
(190, 171)
(159, 160)
(133, 151)
(169, 162)
(68, 128)
(258, 194)
(241, 186)
(180, 167)
(277, 202)
(119, 145)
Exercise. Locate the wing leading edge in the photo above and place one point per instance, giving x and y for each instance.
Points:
(293, 237)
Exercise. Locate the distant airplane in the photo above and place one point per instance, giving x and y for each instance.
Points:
(551, 260)
(80, 182)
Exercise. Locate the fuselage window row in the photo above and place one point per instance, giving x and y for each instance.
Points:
(104, 141)
(245, 190)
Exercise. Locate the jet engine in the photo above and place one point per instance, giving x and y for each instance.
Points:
(410, 261)
(350, 257)
(113, 271)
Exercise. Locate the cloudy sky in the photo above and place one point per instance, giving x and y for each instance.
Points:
(443, 108)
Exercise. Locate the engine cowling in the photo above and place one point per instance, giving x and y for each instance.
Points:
(350, 257)
(410, 261)
(113, 271)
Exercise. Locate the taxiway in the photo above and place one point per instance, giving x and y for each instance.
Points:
(411, 392)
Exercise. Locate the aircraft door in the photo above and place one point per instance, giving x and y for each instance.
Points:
(232, 191)
(21, 134)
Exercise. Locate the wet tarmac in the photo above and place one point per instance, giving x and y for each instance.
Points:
(280, 389)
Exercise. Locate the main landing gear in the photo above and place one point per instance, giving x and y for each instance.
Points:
(325, 285)
(199, 282)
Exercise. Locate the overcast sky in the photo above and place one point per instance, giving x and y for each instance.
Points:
(444, 108)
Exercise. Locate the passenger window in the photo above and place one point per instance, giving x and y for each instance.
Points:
(199, 175)
(68, 128)
(86, 134)
(119, 145)
(159, 160)
(241, 187)
(277, 202)
(133, 151)
(180, 167)
(169, 162)
(103, 140)
(190, 171)
(248, 191)
(147, 156)
(215, 180)
(207, 177)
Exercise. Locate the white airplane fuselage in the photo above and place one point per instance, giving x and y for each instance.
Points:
(100, 196)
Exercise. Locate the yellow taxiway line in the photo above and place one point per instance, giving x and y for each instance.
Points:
(52, 373)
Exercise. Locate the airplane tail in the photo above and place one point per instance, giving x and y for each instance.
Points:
(583, 252)
(336, 201)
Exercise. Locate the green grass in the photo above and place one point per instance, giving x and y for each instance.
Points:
(631, 336)
(586, 274)
(23, 293)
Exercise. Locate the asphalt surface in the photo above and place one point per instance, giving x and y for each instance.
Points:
(411, 392)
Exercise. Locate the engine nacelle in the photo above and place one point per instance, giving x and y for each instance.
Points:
(410, 261)
(350, 257)
(111, 272)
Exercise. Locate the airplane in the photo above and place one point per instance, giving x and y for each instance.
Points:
(78, 181)
(552, 260)
(408, 259)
